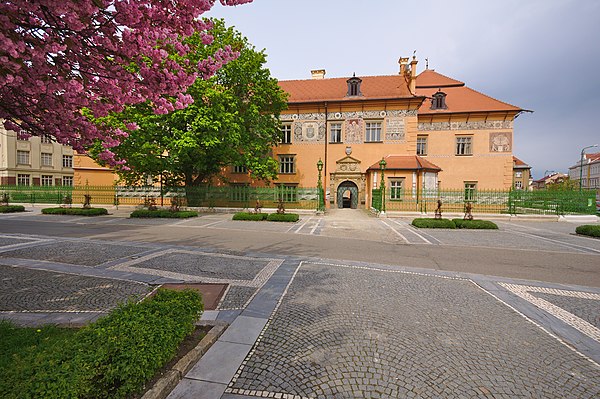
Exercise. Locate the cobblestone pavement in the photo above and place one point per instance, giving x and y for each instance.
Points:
(350, 332)
(237, 297)
(28, 290)
(586, 309)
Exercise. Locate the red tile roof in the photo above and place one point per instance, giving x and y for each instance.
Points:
(519, 164)
(335, 89)
(431, 79)
(406, 162)
(593, 156)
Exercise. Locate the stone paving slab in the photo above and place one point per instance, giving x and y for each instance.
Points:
(586, 309)
(220, 362)
(194, 389)
(347, 332)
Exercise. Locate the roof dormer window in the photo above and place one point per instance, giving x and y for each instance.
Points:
(438, 100)
(354, 86)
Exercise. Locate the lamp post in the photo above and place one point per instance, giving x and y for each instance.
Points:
(581, 163)
(321, 204)
(382, 165)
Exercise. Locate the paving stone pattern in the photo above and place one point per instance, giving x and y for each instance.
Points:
(4, 241)
(344, 332)
(586, 309)
(237, 297)
(28, 290)
(203, 265)
(75, 253)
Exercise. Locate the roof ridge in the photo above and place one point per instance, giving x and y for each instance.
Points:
(339, 77)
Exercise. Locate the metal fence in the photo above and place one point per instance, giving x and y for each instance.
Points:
(546, 202)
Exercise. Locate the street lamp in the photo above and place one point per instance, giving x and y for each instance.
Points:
(581, 163)
(321, 204)
(382, 165)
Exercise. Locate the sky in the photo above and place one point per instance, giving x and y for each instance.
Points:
(540, 55)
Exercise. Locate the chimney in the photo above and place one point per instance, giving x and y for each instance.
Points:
(413, 75)
(318, 73)
(403, 65)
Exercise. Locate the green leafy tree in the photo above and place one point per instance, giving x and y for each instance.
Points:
(234, 120)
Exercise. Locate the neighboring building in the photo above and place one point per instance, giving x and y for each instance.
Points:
(87, 171)
(544, 182)
(590, 174)
(521, 175)
(34, 161)
(432, 130)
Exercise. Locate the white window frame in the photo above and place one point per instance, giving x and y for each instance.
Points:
(335, 132)
(46, 158)
(67, 181)
(464, 145)
(396, 189)
(67, 161)
(47, 180)
(287, 164)
(286, 133)
(518, 185)
(46, 139)
(373, 130)
(422, 145)
(519, 174)
(23, 179)
(470, 190)
(240, 169)
(23, 157)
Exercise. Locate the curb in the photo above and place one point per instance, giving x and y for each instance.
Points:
(163, 387)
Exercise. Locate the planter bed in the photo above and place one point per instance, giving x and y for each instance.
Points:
(75, 211)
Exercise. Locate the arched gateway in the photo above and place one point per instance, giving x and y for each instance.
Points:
(347, 184)
(347, 195)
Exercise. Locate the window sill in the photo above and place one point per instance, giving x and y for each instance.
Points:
(336, 142)
(375, 142)
(463, 155)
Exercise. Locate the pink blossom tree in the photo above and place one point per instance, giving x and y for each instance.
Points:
(66, 62)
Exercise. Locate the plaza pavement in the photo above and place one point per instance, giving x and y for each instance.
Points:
(358, 320)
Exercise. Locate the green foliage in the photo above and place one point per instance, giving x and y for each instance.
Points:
(75, 211)
(250, 216)
(428, 223)
(475, 224)
(592, 230)
(111, 358)
(283, 217)
(162, 213)
(11, 208)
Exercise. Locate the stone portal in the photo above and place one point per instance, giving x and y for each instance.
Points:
(347, 184)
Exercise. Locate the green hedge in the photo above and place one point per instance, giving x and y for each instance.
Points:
(475, 224)
(12, 208)
(162, 213)
(111, 358)
(283, 217)
(250, 216)
(592, 230)
(75, 211)
(429, 223)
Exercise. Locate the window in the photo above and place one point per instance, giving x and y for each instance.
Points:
(470, 188)
(67, 161)
(22, 180)
(47, 180)
(519, 185)
(438, 101)
(463, 145)
(46, 159)
(286, 164)
(240, 192)
(373, 132)
(46, 139)
(23, 136)
(23, 157)
(518, 174)
(287, 193)
(286, 133)
(240, 169)
(421, 145)
(396, 189)
(67, 181)
(354, 86)
(336, 132)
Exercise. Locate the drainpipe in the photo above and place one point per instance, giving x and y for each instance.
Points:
(325, 177)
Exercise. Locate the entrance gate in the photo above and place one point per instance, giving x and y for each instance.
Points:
(347, 195)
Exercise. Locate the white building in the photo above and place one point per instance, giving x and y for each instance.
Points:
(590, 174)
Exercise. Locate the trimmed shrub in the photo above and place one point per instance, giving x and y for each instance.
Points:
(250, 216)
(283, 217)
(113, 357)
(428, 223)
(475, 224)
(592, 230)
(75, 211)
(162, 213)
(12, 208)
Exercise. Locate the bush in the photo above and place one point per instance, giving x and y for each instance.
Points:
(283, 217)
(592, 230)
(250, 216)
(162, 213)
(75, 211)
(12, 208)
(111, 358)
(428, 223)
(475, 224)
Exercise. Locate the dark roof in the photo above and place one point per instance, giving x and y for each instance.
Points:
(406, 162)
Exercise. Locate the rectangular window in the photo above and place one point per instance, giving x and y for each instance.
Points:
(286, 133)
(396, 189)
(23, 180)
(46, 139)
(240, 192)
(421, 145)
(22, 136)
(470, 189)
(23, 157)
(67, 161)
(240, 169)
(373, 132)
(519, 185)
(46, 159)
(287, 193)
(67, 181)
(286, 164)
(47, 180)
(463, 145)
(518, 174)
(335, 133)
